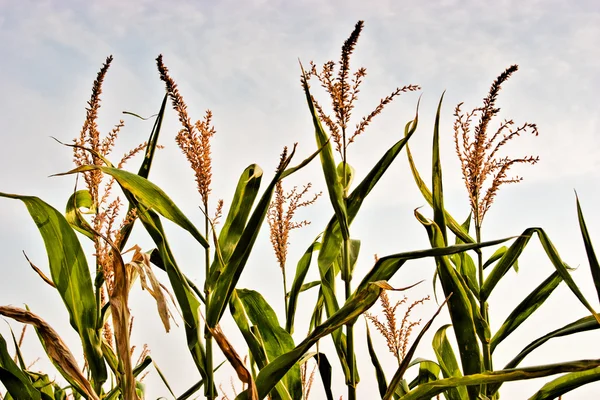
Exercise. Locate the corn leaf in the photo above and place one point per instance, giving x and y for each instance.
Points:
(298, 284)
(566, 383)
(379, 373)
(436, 172)
(361, 300)
(589, 249)
(513, 254)
(581, 325)
(55, 347)
(527, 307)
(431, 389)
(448, 364)
(459, 305)
(332, 238)
(428, 371)
(71, 275)
(144, 170)
(237, 217)
(428, 196)
(325, 372)
(255, 342)
(275, 339)
(233, 268)
(149, 195)
(80, 199)
(13, 378)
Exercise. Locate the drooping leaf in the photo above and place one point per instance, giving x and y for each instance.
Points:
(566, 383)
(581, 325)
(71, 275)
(431, 389)
(513, 253)
(149, 195)
(527, 307)
(57, 350)
(78, 200)
(325, 372)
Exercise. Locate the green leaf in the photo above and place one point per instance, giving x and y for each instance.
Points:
(144, 170)
(450, 221)
(275, 339)
(448, 364)
(589, 249)
(566, 383)
(334, 187)
(513, 254)
(496, 256)
(581, 325)
(325, 372)
(354, 246)
(431, 389)
(345, 174)
(428, 371)
(71, 275)
(436, 172)
(233, 268)
(149, 195)
(298, 284)
(527, 307)
(255, 342)
(80, 199)
(459, 305)
(361, 300)
(237, 217)
(13, 378)
(379, 373)
(332, 238)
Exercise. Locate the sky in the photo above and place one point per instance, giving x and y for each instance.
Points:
(240, 59)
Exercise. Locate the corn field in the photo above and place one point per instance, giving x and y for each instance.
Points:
(111, 196)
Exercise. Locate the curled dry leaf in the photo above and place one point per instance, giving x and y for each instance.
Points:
(56, 349)
(39, 272)
(140, 262)
(235, 360)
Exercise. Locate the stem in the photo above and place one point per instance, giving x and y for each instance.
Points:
(285, 298)
(347, 285)
(209, 391)
(485, 342)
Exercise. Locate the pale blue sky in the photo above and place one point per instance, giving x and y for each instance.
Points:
(240, 59)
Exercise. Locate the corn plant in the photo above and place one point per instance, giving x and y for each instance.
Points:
(97, 298)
